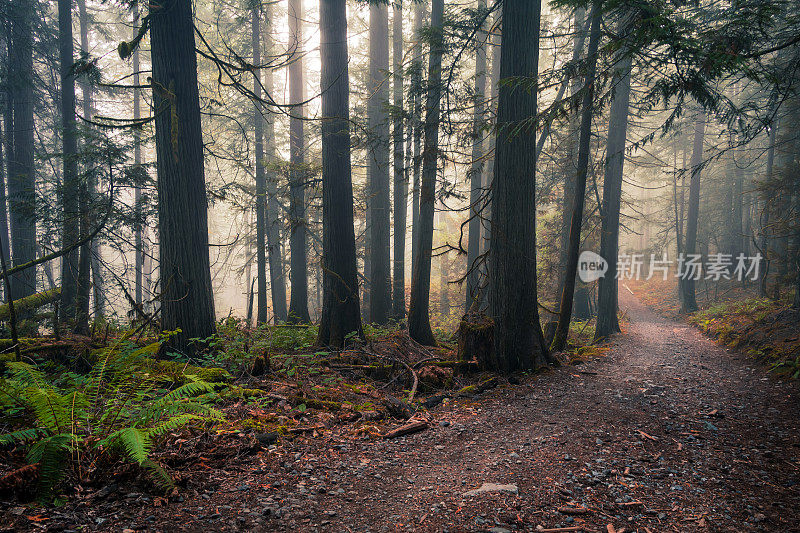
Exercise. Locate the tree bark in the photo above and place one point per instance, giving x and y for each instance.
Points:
(689, 303)
(576, 221)
(400, 174)
(341, 317)
(419, 325)
(607, 293)
(476, 195)
(298, 304)
(187, 301)
(518, 339)
(380, 294)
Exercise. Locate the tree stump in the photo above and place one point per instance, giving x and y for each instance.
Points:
(475, 338)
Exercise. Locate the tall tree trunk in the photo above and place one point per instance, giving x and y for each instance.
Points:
(576, 221)
(261, 178)
(418, 126)
(298, 305)
(518, 339)
(137, 162)
(341, 316)
(689, 303)
(419, 324)
(90, 260)
(607, 294)
(380, 301)
(476, 196)
(21, 171)
(70, 208)
(277, 278)
(488, 171)
(765, 216)
(187, 301)
(568, 198)
(400, 174)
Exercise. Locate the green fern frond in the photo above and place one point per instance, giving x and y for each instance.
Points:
(159, 474)
(134, 441)
(50, 453)
(22, 435)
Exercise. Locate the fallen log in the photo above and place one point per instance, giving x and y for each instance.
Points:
(29, 303)
(413, 426)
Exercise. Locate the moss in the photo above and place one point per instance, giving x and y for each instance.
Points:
(313, 403)
(241, 393)
(176, 371)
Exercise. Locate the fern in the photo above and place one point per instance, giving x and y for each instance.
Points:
(21, 436)
(134, 441)
(115, 409)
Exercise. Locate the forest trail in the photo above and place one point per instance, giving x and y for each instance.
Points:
(668, 432)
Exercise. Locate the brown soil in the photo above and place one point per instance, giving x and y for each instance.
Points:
(668, 432)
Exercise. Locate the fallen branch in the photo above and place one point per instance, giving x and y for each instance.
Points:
(413, 426)
(646, 436)
(574, 510)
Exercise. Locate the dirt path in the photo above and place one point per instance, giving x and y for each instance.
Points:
(668, 432)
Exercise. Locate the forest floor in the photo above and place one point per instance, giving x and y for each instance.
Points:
(666, 432)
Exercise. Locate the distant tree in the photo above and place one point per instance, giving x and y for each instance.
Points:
(689, 301)
(298, 304)
(261, 177)
(71, 184)
(476, 195)
(607, 294)
(91, 251)
(341, 317)
(277, 278)
(400, 173)
(417, 126)
(187, 301)
(576, 222)
(137, 163)
(419, 324)
(380, 280)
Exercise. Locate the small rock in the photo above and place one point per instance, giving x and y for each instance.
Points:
(493, 487)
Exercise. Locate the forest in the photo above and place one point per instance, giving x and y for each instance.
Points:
(387, 265)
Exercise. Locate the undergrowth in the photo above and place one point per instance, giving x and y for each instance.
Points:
(765, 329)
(71, 421)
